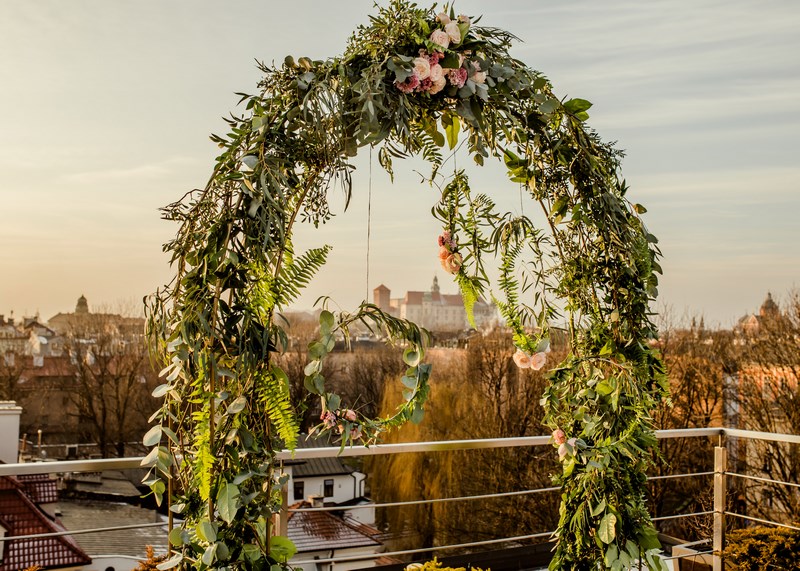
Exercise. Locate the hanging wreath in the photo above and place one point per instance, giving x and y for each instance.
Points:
(410, 83)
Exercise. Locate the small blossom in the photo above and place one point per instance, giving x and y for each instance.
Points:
(445, 238)
(522, 359)
(436, 73)
(425, 84)
(452, 263)
(340, 428)
(563, 451)
(457, 77)
(443, 253)
(443, 18)
(453, 31)
(440, 38)
(328, 419)
(355, 433)
(422, 67)
(559, 436)
(350, 415)
(435, 57)
(409, 85)
(538, 360)
(572, 442)
(464, 19)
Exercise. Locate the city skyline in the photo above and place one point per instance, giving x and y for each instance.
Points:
(109, 106)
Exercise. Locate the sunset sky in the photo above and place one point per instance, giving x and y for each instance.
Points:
(106, 108)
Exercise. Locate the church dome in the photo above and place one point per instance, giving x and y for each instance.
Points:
(82, 307)
(769, 308)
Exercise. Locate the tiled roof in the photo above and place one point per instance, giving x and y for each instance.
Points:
(86, 514)
(318, 466)
(20, 516)
(315, 531)
(414, 297)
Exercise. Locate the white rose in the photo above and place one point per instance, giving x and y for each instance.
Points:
(454, 32)
(437, 73)
(441, 38)
(422, 67)
(443, 18)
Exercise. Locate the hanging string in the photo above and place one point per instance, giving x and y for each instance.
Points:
(369, 218)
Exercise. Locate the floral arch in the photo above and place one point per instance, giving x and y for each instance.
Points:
(410, 83)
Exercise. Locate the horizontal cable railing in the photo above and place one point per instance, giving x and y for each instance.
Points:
(100, 465)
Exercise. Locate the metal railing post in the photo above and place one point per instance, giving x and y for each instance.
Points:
(720, 490)
(283, 516)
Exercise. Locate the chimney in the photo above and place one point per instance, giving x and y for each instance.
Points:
(316, 501)
(9, 428)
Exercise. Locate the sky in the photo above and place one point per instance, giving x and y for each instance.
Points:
(106, 108)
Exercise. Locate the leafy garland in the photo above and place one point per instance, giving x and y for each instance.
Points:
(412, 82)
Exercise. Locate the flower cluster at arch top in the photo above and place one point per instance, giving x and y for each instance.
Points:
(432, 70)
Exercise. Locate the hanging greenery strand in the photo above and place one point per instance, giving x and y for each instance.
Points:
(410, 83)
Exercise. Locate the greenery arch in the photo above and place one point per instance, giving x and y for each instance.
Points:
(412, 82)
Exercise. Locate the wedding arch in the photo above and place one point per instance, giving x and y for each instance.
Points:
(412, 82)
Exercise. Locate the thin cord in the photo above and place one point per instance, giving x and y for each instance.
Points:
(369, 219)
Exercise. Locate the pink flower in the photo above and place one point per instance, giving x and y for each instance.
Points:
(328, 419)
(435, 58)
(457, 77)
(425, 84)
(443, 253)
(355, 433)
(444, 238)
(453, 31)
(563, 451)
(522, 359)
(350, 415)
(438, 85)
(409, 85)
(436, 72)
(422, 68)
(559, 436)
(464, 19)
(443, 18)
(452, 263)
(538, 360)
(440, 38)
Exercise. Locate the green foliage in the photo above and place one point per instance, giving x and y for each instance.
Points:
(758, 548)
(215, 328)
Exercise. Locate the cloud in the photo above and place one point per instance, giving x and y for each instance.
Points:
(139, 173)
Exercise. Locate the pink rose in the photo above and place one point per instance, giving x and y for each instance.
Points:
(522, 359)
(452, 263)
(436, 73)
(328, 419)
(443, 253)
(538, 360)
(350, 415)
(443, 18)
(453, 31)
(457, 77)
(437, 85)
(559, 436)
(422, 67)
(479, 77)
(440, 38)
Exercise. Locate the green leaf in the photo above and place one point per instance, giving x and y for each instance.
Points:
(326, 321)
(639, 208)
(612, 555)
(252, 552)
(205, 531)
(599, 508)
(282, 548)
(170, 563)
(237, 405)
(607, 530)
(411, 357)
(153, 436)
(228, 501)
(209, 554)
(176, 536)
(451, 132)
(577, 105)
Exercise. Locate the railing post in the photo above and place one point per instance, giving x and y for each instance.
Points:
(283, 517)
(720, 491)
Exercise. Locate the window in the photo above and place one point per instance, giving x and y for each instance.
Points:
(299, 490)
(328, 489)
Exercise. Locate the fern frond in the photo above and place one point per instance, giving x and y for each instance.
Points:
(274, 395)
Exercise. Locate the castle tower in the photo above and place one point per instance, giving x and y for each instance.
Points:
(381, 297)
(435, 286)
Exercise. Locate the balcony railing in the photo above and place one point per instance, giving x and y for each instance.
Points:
(713, 544)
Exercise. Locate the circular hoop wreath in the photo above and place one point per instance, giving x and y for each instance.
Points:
(411, 83)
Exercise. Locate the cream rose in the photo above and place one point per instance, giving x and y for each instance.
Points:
(522, 359)
(437, 73)
(443, 18)
(422, 68)
(454, 32)
(441, 38)
(464, 19)
(452, 263)
(479, 77)
(437, 85)
(538, 360)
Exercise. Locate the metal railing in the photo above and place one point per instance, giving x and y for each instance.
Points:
(720, 475)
